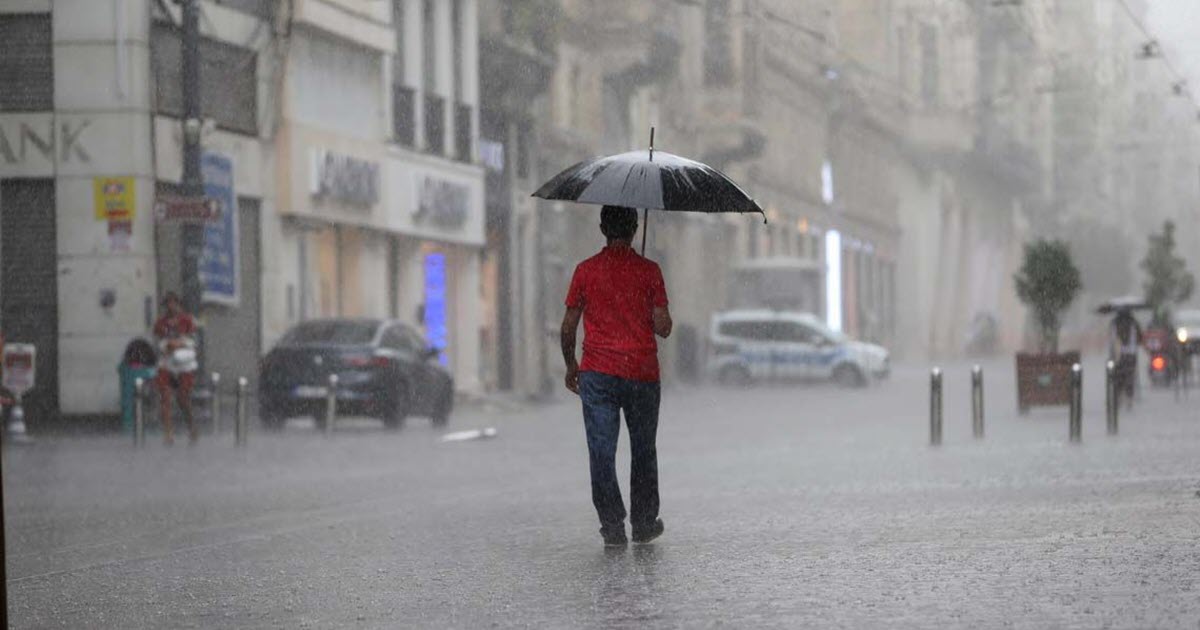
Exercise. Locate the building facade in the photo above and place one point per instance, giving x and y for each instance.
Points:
(380, 192)
(345, 135)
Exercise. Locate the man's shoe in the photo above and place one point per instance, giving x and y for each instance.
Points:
(614, 536)
(646, 533)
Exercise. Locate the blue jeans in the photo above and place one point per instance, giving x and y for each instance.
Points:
(604, 397)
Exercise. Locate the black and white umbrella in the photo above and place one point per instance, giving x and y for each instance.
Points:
(650, 180)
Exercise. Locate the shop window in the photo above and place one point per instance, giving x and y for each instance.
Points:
(228, 83)
(26, 63)
(435, 123)
(462, 132)
(404, 121)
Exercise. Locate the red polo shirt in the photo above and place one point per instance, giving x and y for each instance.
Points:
(618, 290)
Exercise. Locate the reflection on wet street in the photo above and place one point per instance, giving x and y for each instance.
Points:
(784, 506)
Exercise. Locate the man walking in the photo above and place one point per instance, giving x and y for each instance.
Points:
(175, 331)
(622, 300)
(1124, 341)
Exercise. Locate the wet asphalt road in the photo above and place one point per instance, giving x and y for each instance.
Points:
(785, 506)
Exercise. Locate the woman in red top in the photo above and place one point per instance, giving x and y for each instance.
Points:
(622, 300)
(177, 365)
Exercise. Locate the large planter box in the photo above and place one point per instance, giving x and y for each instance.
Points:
(1044, 380)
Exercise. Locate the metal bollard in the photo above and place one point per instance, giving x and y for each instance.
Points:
(1076, 419)
(331, 404)
(977, 401)
(214, 404)
(239, 429)
(1110, 397)
(139, 413)
(935, 407)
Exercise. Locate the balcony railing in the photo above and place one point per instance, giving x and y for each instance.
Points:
(404, 115)
(462, 132)
(435, 124)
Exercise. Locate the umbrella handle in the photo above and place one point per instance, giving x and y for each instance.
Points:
(645, 227)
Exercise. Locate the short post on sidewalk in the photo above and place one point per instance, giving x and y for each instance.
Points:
(331, 404)
(239, 430)
(139, 413)
(1110, 397)
(935, 407)
(977, 402)
(215, 403)
(1076, 417)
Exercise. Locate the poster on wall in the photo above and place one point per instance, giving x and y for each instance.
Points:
(220, 268)
(114, 198)
(120, 236)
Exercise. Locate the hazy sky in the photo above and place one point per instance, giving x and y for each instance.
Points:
(1176, 23)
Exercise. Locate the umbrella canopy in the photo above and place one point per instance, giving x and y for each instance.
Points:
(1124, 303)
(649, 179)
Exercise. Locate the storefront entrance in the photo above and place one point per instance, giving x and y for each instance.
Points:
(29, 285)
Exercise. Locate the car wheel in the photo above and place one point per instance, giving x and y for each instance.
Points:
(398, 412)
(441, 413)
(735, 376)
(848, 376)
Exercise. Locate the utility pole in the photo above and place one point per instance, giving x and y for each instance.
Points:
(192, 180)
(193, 183)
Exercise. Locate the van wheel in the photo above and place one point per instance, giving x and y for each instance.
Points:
(848, 376)
(735, 376)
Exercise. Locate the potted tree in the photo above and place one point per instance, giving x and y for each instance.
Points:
(1048, 282)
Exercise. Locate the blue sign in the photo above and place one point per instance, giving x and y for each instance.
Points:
(220, 268)
(435, 303)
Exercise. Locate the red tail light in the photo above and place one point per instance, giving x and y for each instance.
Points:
(365, 360)
(1158, 363)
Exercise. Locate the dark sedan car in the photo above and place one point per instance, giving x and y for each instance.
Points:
(385, 369)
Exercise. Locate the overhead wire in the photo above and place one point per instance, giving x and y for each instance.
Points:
(1181, 83)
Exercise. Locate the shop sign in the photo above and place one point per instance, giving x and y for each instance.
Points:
(442, 203)
(19, 363)
(219, 258)
(30, 139)
(187, 209)
(114, 198)
(344, 178)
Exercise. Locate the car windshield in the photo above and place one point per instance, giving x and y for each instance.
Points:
(331, 332)
(833, 335)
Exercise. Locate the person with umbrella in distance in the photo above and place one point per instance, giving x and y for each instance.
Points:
(175, 332)
(622, 299)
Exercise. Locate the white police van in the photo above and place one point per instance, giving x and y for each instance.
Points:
(750, 346)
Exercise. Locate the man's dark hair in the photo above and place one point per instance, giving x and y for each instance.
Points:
(618, 222)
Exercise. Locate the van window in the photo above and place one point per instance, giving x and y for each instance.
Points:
(755, 330)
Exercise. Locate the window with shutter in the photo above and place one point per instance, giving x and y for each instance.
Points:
(26, 63)
(228, 86)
